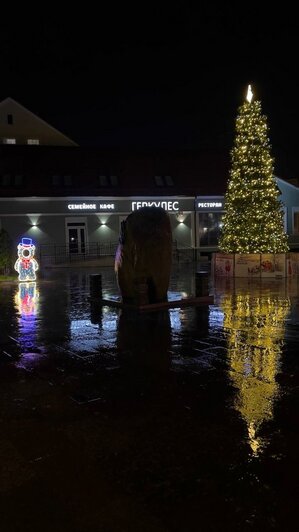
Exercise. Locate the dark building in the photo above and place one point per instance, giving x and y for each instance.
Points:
(71, 200)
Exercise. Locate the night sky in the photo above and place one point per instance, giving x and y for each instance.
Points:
(154, 77)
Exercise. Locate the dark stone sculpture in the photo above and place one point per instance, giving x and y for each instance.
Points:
(143, 256)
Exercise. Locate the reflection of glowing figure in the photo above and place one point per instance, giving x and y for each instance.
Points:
(26, 265)
(26, 299)
(256, 330)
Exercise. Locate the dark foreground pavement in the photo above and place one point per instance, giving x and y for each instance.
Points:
(180, 421)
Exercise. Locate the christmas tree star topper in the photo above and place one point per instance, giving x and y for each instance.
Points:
(249, 94)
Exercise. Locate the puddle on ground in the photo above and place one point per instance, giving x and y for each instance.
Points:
(218, 382)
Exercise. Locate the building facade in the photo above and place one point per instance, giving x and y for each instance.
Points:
(18, 126)
(87, 225)
(71, 201)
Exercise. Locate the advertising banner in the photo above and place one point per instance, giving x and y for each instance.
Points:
(256, 265)
(248, 265)
(292, 264)
(267, 265)
(280, 264)
(224, 265)
(295, 257)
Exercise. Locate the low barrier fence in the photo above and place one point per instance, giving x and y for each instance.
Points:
(56, 254)
(60, 254)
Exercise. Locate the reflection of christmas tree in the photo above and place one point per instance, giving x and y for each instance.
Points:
(256, 331)
(253, 220)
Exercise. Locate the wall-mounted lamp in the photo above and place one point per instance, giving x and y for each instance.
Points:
(34, 220)
(103, 219)
(180, 217)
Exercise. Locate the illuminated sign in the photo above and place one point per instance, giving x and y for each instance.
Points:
(210, 203)
(107, 206)
(82, 206)
(91, 207)
(166, 205)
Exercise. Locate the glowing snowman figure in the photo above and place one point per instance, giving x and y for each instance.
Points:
(26, 265)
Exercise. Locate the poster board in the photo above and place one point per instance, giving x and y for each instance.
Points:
(296, 260)
(292, 264)
(267, 265)
(223, 265)
(280, 265)
(248, 265)
(256, 265)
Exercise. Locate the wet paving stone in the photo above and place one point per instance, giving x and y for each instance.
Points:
(177, 420)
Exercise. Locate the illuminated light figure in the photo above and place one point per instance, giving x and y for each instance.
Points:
(26, 265)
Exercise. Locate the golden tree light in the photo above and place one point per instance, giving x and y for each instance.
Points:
(255, 327)
(253, 219)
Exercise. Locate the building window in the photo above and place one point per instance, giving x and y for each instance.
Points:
(114, 180)
(19, 180)
(10, 119)
(56, 180)
(5, 180)
(9, 141)
(168, 180)
(296, 223)
(103, 181)
(34, 142)
(67, 180)
(62, 180)
(210, 224)
(159, 181)
(164, 181)
(108, 180)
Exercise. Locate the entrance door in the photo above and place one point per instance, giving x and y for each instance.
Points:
(76, 237)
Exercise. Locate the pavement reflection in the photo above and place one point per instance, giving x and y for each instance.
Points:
(144, 340)
(179, 420)
(254, 318)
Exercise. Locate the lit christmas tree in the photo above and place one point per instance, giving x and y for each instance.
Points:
(253, 219)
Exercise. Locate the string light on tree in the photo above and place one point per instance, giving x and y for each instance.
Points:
(253, 221)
